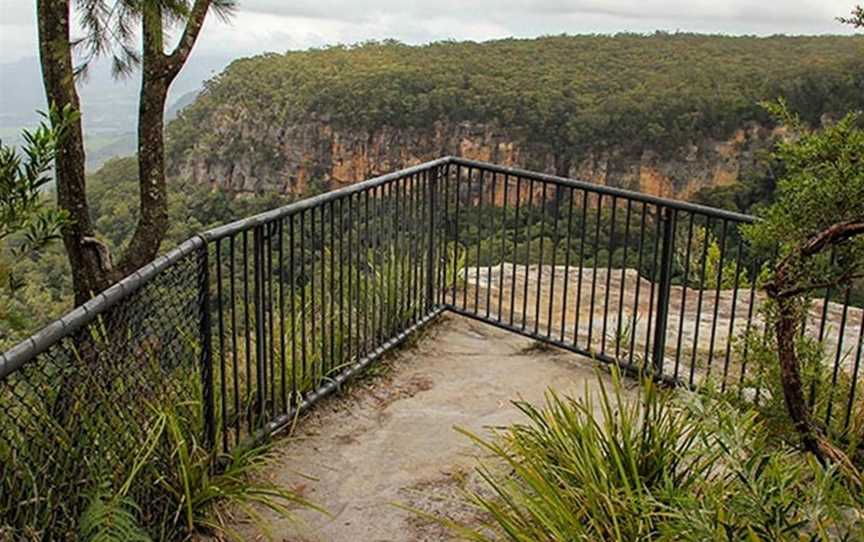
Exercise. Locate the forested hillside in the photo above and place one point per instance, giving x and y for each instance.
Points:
(664, 113)
(671, 108)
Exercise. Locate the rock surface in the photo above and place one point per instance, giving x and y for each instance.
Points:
(317, 152)
(596, 326)
(390, 440)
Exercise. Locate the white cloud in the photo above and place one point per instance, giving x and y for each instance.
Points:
(279, 25)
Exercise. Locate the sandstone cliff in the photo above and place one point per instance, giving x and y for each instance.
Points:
(315, 152)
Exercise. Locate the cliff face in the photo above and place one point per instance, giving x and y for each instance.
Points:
(315, 152)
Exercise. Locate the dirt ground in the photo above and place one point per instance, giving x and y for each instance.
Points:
(389, 440)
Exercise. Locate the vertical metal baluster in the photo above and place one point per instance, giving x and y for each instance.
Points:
(247, 331)
(841, 332)
(506, 190)
(444, 234)
(698, 322)
(234, 350)
(343, 338)
(478, 263)
(554, 264)
(304, 358)
(527, 255)
(375, 275)
(593, 300)
(280, 248)
(822, 326)
(260, 322)
(359, 307)
(432, 183)
(754, 276)
(854, 379)
(540, 259)
(326, 358)
(409, 230)
(223, 387)
(409, 258)
(723, 233)
(621, 289)
(205, 332)
(729, 338)
(392, 277)
(386, 212)
(583, 223)
(491, 225)
(516, 228)
(292, 277)
(368, 302)
(420, 256)
(653, 287)
(611, 250)
(569, 238)
(668, 218)
(458, 194)
(639, 260)
(316, 356)
(398, 220)
(423, 265)
(333, 361)
(684, 293)
(352, 250)
(271, 337)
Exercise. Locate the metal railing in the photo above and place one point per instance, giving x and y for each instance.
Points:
(259, 319)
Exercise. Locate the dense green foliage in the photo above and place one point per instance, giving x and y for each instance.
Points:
(47, 291)
(822, 185)
(28, 223)
(562, 93)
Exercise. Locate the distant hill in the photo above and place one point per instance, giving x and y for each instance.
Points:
(109, 105)
(665, 113)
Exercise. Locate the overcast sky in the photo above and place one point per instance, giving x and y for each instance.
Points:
(279, 25)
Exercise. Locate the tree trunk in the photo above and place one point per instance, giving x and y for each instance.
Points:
(87, 257)
(786, 329)
(813, 438)
(153, 211)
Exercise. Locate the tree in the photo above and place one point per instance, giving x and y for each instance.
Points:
(856, 19)
(22, 202)
(817, 221)
(110, 28)
(27, 224)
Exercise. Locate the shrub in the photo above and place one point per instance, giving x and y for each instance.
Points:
(653, 465)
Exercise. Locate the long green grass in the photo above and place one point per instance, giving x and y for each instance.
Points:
(652, 464)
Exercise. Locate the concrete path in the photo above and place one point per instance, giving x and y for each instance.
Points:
(390, 437)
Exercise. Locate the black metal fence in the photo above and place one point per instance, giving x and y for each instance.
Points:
(258, 319)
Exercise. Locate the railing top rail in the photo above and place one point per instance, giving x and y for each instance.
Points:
(18, 355)
(267, 217)
(608, 190)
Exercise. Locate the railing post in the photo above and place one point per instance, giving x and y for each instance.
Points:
(667, 217)
(430, 253)
(260, 315)
(205, 335)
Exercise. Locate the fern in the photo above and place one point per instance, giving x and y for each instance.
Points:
(111, 519)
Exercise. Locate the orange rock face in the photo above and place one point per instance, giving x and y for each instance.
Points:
(316, 152)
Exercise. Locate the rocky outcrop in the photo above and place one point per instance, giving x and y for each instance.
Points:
(288, 159)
